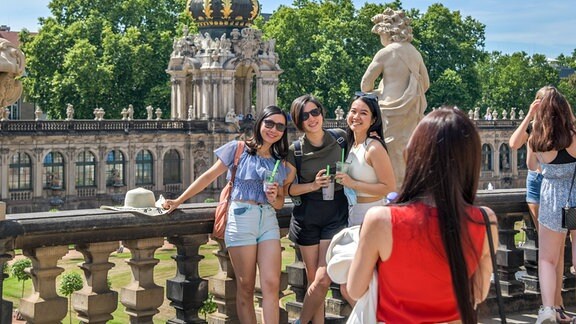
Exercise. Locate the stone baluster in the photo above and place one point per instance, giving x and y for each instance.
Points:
(142, 296)
(223, 287)
(95, 302)
(44, 305)
(530, 248)
(509, 257)
(187, 290)
(298, 283)
(337, 306)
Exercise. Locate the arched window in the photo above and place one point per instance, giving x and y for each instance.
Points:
(521, 158)
(115, 168)
(19, 174)
(144, 167)
(504, 158)
(53, 170)
(85, 170)
(486, 158)
(172, 170)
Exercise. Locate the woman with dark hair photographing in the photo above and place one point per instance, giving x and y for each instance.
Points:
(252, 233)
(552, 146)
(433, 233)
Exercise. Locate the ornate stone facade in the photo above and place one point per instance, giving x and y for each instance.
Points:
(212, 76)
(84, 164)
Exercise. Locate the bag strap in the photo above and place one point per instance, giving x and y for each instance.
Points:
(494, 266)
(239, 151)
(571, 186)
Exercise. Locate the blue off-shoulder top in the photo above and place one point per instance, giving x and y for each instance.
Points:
(250, 173)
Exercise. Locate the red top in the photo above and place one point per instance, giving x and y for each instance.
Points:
(414, 284)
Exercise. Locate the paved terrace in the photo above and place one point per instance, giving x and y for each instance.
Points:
(45, 239)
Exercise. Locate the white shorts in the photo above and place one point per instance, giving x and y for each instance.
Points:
(357, 212)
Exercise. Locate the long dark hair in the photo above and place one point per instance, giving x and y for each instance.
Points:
(553, 125)
(298, 106)
(279, 150)
(443, 163)
(376, 129)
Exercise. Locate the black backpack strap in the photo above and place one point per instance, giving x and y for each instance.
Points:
(341, 140)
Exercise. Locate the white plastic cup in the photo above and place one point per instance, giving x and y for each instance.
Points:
(342, 167)
(328, 192)
(267, 178)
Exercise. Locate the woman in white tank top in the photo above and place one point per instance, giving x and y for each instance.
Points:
(370, 172)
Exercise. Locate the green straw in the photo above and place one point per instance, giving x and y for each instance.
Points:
(342, 159)
(328, 170)
(271, 179)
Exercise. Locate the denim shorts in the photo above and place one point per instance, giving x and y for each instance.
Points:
(250, 224)
(533, 184)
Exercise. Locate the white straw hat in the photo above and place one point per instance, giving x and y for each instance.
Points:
(141, 201)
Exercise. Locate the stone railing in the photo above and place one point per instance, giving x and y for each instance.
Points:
(14, 127)
(45, 239)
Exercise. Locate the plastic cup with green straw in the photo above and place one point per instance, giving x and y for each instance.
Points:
(271, 179)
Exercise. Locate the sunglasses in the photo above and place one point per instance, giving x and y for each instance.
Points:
(360, 94)
(271, 124)
(314, 112)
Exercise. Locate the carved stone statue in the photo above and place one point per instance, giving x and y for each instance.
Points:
(471, 114)
(488, 115)
(504, 114)
(230, 117)
(339, 112)
(513, 113)
(38, 113)
(403, 85)
(495, 114)
(190, 112)
(124, 113)
(521, 113)
(69, 112)
(158, 113)
(477, 113)
(149, 112)
(130, 112)
(12, 62)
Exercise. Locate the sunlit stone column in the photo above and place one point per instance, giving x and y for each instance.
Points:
(187, 291)
(298, 283)
(44, 305)
(95, 302)
(223, 287)
(142, 296)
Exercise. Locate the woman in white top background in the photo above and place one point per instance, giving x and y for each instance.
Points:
(370, 172)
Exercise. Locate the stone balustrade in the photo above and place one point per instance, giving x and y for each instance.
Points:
(45, 238)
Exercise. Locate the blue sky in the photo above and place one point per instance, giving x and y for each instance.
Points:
(545, 27)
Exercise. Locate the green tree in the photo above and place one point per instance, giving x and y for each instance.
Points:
(70, 282)
(322, 48)
(18, 271)
(512, 80)
(450, 45)
(107, 54)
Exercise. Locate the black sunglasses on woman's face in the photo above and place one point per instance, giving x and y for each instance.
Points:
(314, 112)
(271, 124)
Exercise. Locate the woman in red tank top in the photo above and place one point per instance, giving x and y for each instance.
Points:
(429, 248)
